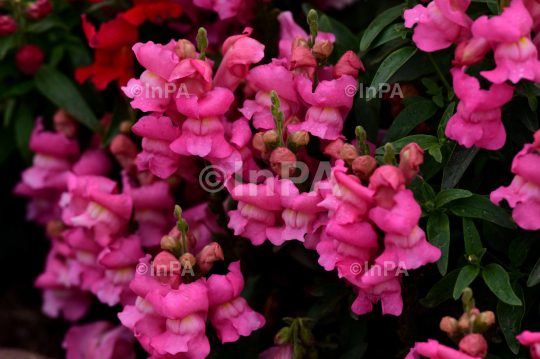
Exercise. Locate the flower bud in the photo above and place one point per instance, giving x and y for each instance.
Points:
(283, 161)
(209, 254)
(125, 127)
(348, 153)
(449, 325)
(283, 336)
(290, 121)
(303, 62)
(258, 143)
(471, 52)
(39, 9)
(177, 212)
(169, 243)
(187, 260)
(483, 321)
(124, 150)
(306, 336)
(55, 227)
(63, 122)
(297, 140)
(474, 345)
(271, 138)
(7, 25)
(166, 268)
(185, 50)
(298, 41)
(29, 59)
(333, 148)
(322, 50)
(364, 166)
(349, 64)
(411, 157)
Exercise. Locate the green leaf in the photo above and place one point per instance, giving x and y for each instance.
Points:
(519, 248)
(477, 206)
(388, 34)
(464, 279)
(435, 151)
(7, 42)
(438, 99)
(510, 317)
(367, 116)
(438, 231)
(424, 141)
(497, 280)
(457, 164)
(61, 91)
(534, 277)
(433, 88)
(409, 118)
(378, 24)
(448, 195)
(8, 111)
(46, 24)
(441, 291)
(390, 65)
(24, 123)
(473, 244)
(57, 54)
(427, 192)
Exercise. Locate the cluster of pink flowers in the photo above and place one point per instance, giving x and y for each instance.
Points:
(442, 23)
(523, 194)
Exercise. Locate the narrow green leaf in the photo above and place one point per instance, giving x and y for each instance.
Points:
(428, 192)
(61, 91)
(432, 87)
(457, 164)
(477, 206)
(519, 248)
(497, 280)
(424, 141)
(441, 291)
(388, 34)
(510, 317)
(409, 118)
(435, 151)
(448, 195)
(8, 111)
(464, 279)
(534, 277)
(7, 42)
(389, 66)
(473, 244)
(46, 24)
(378, 24)
(438, 231)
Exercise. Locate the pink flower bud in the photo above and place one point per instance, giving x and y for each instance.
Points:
(298, 41)
(55, 227)
(63, 122)
(364, 167)
(125, 127)
(271, 138)
(167, 268)
(349, 64)
(449, 325)
(333, 148)
(322, 50)
(29, 59)
(297, 140)
(39, 9)
(209, 254)
(124, 150)
(471, 52)
(303, 62)
(168, 243)
(283, 161)
(474, 345)
(7, 25)
(185, 50)
(187, 260)
(412, 156)
(348, 153)
(483, 321)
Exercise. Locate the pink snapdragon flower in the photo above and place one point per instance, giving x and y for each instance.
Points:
(433, 350)
(477, 121)
(289, 29)
(99, 340)
(239, 52)
(532, 340)
(440, 24)
(229, 313)
(195, 77)
(331, 103)
(515, 54)
(379, 283)
(523, 194)
(533, 6)
(225, 9)
(267, 78)
(278, 352)
(158, 132)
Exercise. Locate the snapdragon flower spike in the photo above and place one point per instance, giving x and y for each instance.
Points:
(440, 24)
(239, 52)
(433, 350)
(331, 104)
(477, 121)
(531, 340)
(99, 340)
(229, 313)
(158, 133)
(523, 194)
(515, 54)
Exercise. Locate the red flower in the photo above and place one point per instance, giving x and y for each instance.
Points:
(113, 59)
(151, 9)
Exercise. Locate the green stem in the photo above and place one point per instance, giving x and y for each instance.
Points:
(504, 3)
(184, 246)
(439, 72)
